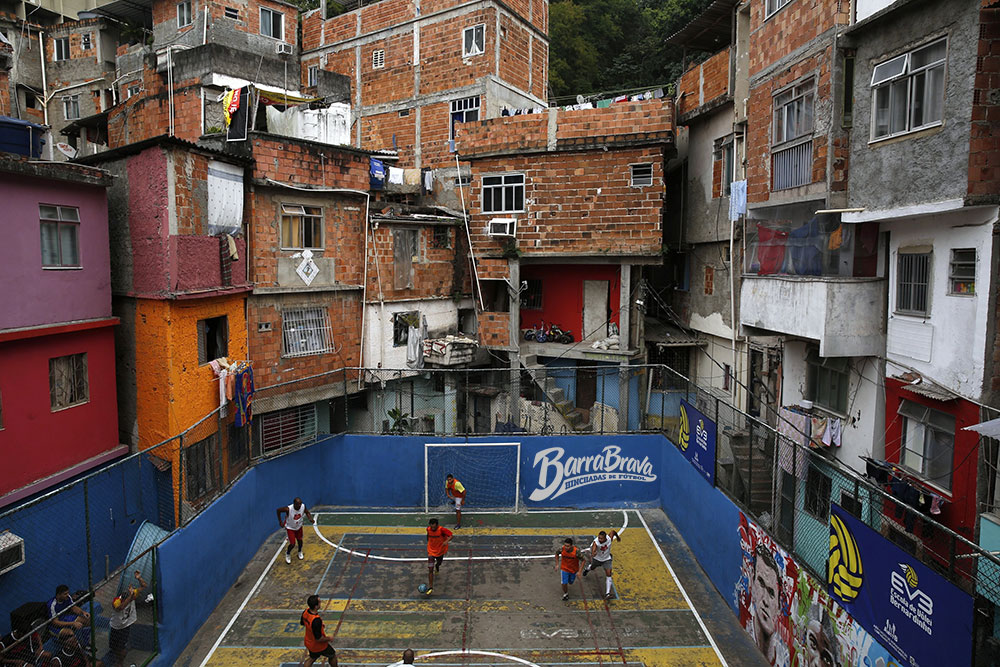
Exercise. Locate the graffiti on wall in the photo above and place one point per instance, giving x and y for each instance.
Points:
(790, 616)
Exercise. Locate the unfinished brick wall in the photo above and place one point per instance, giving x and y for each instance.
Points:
(704, 83)
(6, 55)
(494, 329)
(433, 268)
(539, 69)
(577, 203)
(984, 146)
(391, 131)
(307, 163)
(515, 53)
(392, 82)
(791, 27)
(442, 66)
(435, 120)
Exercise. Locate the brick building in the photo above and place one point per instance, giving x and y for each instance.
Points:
(417, 69)
(565, 211)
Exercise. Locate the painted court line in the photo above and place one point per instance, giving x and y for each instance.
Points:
(421, 559)
(490, 654)
(680, 587)
(243, 605)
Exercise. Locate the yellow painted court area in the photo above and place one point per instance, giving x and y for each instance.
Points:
(488, 596)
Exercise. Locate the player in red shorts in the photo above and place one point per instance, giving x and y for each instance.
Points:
(293, 525)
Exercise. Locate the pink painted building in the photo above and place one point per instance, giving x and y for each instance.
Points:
(58, 410)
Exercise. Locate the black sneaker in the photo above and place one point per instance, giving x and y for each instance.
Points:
(585, 571)
(437, 568)
(565, 596)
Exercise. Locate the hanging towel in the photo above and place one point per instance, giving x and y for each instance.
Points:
(428, 181)
(231, 245)
(223, 378)
(818, 432)
(770, 249)
(395, 175)
(244, 396)
(794, 425)
(835, 429)
(737, 199)
(789, 455)
(411, 176)
(376, 174)
(936, 503)
(230, 386)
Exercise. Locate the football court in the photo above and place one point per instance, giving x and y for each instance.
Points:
(496, 601)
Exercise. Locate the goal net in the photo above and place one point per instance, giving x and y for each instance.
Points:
(490, 473)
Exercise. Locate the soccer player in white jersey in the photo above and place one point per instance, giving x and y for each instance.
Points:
(293, 525)
(600, 556)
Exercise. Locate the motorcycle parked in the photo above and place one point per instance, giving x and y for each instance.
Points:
(557, 334)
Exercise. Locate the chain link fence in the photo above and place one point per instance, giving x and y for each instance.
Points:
(93, 535)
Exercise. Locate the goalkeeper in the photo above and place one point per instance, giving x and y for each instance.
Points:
(456, 496)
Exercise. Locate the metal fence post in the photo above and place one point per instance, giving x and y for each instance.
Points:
(90, 567)
(180, 481)
(156, 603)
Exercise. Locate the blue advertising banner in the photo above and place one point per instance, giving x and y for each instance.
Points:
(697, 440)
(590, 471)
(918, 615)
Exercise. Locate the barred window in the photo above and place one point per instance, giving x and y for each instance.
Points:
(68, 383)
(642, 175)
(677, 362)
(531, 294)
(912, 282)
(199, 467)
(301, 227)
(962, 271)
(441, 238)
(306, 331)
(60, 229)
(818, 489)
(288, 427)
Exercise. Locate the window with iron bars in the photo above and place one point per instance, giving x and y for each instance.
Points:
(199, 467)
(674, 357)
(912, 282)
(68, 382)
(306, 331)
(287, 427)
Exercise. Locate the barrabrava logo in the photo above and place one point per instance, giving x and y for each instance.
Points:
(558, 473)
(685, 434)
(844, 571)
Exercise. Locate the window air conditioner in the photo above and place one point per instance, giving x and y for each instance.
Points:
(501, 227)
(283, 48)
(11, 551)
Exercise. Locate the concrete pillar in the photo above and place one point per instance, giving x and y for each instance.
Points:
(625, 306)
(451, 403)
(623, 376)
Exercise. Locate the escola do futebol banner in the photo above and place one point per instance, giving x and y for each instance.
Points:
(918, 615)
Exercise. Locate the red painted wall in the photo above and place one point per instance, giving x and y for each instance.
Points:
(36, 442)
(562, 293)
(959, 513)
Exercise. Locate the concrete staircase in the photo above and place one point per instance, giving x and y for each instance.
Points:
(753, 468)
(556, 395)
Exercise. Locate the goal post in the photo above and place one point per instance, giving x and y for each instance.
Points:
(490, 472)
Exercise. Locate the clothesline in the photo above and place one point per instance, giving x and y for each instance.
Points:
(235, 384)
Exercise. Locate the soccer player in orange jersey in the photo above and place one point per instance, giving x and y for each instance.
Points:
(438, 538)
(568, 561)
(456, 495)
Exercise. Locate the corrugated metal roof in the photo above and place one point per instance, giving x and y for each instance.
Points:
(928, 390)
(709, 31)
(668, 335)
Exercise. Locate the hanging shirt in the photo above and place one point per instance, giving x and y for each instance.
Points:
(376, 174)
(244, 396)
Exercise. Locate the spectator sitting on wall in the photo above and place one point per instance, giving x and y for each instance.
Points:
(65, 614)
(22, 647)
(71, 654)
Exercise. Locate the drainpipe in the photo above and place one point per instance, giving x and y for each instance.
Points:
(45, 99)
(364, 295)
(204, 28)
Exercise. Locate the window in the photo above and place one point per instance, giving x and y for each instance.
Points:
(301, 227)
(401, 323)
(642, 175)
(786, 511)
(68, 385)
(531, 294)
(313, 75)
(404, 252)
(378, 58)
(288, 427)
(133, 90)
(403, 113)
(709, 280)
(60, 228)
(671, 364)
(463, 111)
(503, 194)
(818, 489)
(962, 271)
(912, 275)
(199, 467)
(850, 503)
(60, 48)
(463, 181)
(828, 379)
(908, 91)
(793, 112)
(847, 110)
(71, 107)
(775, 5)
(184, 13)
(928, 446)
(474, 41)
(724, 155)
(232, 13)
(86, 41)
(213, 339)
(306, 331)
(272, 23)
(441, 238)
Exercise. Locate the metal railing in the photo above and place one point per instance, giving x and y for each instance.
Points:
(792, 166)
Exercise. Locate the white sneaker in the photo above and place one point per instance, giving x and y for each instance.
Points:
(301, 556)
(288, 557)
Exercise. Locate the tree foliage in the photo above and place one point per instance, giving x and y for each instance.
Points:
(605, 45)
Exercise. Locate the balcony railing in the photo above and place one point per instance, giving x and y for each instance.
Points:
(792, 167)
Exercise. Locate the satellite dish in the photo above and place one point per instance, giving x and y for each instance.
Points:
(580, 99)
(66, 150)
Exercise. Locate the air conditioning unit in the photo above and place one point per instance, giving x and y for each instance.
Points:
(502, 227)
(283, 48)
(11, 551)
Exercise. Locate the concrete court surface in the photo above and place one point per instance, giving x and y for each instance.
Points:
(498, 591)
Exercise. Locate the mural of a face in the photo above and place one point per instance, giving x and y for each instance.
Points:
(821, 649)
(764, 592)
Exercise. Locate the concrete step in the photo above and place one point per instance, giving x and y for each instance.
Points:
(584, 428)
(557, 395)
(528, 360)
